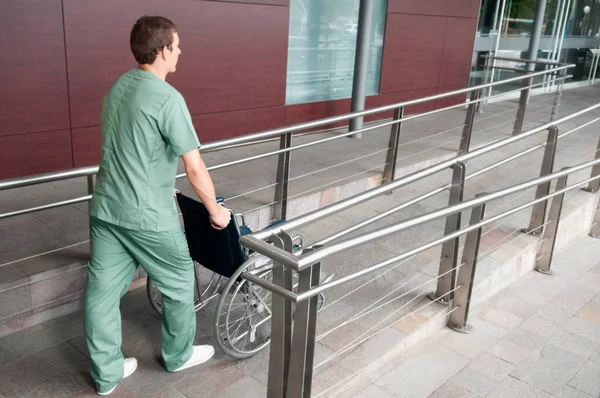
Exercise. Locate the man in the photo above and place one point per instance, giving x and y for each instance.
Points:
(146, 127)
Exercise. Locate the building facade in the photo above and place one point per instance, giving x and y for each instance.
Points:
(246, 65)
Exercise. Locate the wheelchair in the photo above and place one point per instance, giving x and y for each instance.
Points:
(242, 317)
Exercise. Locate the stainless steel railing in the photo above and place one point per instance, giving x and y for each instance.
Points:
(285, 135)
(295, 350)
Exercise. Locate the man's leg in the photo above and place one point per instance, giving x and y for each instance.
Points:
(165, 257)
(111, 269)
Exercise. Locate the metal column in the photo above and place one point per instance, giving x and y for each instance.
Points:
(303, 346)
(546, 251)
(462, 297)
(281, 325)
(361, 63)
(538, 214)
(283, 178)
(594, 186)
(391, 158)
(536, 33)
(449, 256)
(465, 141)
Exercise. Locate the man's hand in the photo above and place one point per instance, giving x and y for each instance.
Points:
(221, 219)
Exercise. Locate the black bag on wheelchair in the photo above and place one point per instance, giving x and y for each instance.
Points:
(218, 250)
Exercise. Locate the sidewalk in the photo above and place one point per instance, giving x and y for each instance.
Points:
(538, 338)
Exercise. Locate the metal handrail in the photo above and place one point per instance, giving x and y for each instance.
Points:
(528, 61)
(256, 242)
(316, 255)
(221, 144)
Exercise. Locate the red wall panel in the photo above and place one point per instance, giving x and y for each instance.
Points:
(295, 114)
(232, 71)
(449, 101)
(87, 143)
(271, 2)
(391, 98)
(475, 8)
(458, 8)
(215, 126)
(35, 153)
(412, 54)
(233, 55)
(458, 50)
(32, 64)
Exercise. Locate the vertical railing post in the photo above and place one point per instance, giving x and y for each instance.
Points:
(595, 230)
(90, 184)
(389, 172)
(465, 142)
(538, 214)
(523, 100)
(449, 256)
(594, 186)
(485, 79)
(281, 325)
(546, 250)
(558, 95)
(303, 344)
(283, 178)
(461, 303)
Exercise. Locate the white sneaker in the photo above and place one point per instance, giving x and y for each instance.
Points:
(129, 366)
(201, 354)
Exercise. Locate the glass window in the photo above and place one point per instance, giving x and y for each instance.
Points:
(322, 46)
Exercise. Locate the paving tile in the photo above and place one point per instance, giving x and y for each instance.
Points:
(64, 384)
(25, 376)
(421, 370)
(247, 387)
(549, 368)
(588, 377)
(513, 305)
(167, 393)
(582, 252)
(512, 387)
(483, 374)
(469, 345)
(570, 392)
(475, 382)
(450, 390)
(584, 328)
(209, 382)
(525, 338)
(509, 352)
(373, 391)
(41, 337)
(561, 310)
(120, 392)
(591, 313)
(540, 326)
(589, 281)
(501, 318)
(572, 343)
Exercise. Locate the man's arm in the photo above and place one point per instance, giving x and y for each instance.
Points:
(198, 176)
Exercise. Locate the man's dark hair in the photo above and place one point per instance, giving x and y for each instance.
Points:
(149, 35)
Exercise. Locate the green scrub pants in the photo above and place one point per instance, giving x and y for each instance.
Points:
(116, 253)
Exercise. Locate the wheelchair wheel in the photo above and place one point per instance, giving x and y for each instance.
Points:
(242, 324)
(206, 285)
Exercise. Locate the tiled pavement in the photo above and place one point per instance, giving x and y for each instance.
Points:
(522, 345)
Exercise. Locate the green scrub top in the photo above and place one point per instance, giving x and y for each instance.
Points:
(146, 127)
